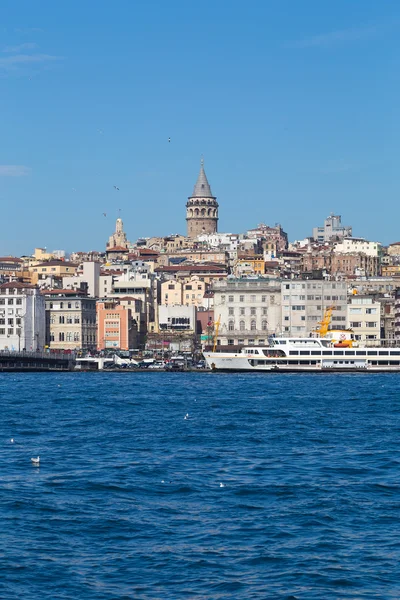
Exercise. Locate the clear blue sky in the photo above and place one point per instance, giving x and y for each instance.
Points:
(294, 105)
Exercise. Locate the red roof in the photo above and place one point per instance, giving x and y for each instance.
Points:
(10, 259)
(16, 285)
(63, 293)
(117, 249)
(57, 263)
(199, 268)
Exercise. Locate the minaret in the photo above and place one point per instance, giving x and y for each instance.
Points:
(201, 208)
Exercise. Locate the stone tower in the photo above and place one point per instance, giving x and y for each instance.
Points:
(118, 239)
(201, 208)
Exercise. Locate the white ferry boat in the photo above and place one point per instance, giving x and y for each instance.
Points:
(306, 355)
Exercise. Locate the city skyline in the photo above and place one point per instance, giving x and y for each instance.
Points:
(294, 112)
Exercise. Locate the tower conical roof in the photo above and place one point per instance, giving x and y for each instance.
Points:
(202, 188)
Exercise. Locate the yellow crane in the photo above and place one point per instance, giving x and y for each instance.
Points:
(217, 324)
(324, 324)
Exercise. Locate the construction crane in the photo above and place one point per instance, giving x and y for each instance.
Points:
(326, 321)
(217, 324)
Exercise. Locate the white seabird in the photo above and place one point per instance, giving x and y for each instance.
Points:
(221, 485)
(186, 416)
(35, 461)
(12, 440)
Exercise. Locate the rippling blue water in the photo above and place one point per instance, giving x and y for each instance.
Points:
(127, 500)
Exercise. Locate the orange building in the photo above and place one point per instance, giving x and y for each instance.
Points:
(116, 326)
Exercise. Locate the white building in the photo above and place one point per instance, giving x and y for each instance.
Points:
(304, 304)
(22, 317)
(89, 273)
(249, 310)
(177, 318)
(353, 245)
(331, 229)
(364, 318)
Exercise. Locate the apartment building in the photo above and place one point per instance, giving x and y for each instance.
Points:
(364, 318)
(304, 304)
(70, 320)
(118, 324)
(331, 229)
(22, 317)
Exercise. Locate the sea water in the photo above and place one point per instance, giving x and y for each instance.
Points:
(127, 501)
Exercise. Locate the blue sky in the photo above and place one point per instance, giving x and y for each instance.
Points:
(294, 105)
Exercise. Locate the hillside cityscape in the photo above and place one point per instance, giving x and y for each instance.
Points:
(166, 294)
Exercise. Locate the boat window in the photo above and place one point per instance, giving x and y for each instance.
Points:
(394, 362)
(313, 362)
(315, 352)
(338, 352)
(383, 352)
(327, 352)
(350, 353)
(305, 352)
(372, 352)
(373, 362)
(395, 353)
(293, 352)
(383, 362)
(293, 362)
(360, 352)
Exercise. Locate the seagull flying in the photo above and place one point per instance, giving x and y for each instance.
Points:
(169, 139)
(116, 188)
(35, 461)
(104, 214)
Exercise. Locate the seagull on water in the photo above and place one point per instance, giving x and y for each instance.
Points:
(36, 461)
(221, 485)
(12, 440)
(186, 417)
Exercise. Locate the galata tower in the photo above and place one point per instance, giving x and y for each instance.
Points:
(201, 208)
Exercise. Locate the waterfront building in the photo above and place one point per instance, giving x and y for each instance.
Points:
(177, 318)
(304, 304)
(22, 317)
(248, 309)
(70, 320)
(118, 324)
(364, 318)
(201, 208)
(332, 229)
